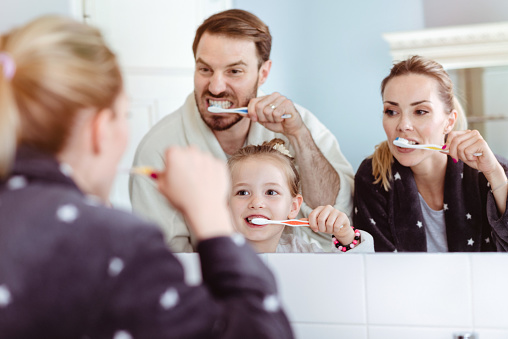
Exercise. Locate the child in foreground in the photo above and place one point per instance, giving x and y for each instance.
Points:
(266, 184)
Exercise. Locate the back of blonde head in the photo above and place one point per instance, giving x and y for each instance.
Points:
(62, 67)
(382, 158)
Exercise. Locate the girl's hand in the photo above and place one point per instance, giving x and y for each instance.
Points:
(328, 219)
(463, 144)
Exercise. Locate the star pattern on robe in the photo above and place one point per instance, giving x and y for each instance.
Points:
(271, 303)
(5, 296)
(419, 224)
(397, 176)
(356, 210)
(487, 240)
(470, 242)
(462, 175)
(67, 213)
(445, 207)
(468, 216)
(122, 335)
(372, 221)
(169, 298)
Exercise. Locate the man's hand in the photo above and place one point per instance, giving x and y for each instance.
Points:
(268, 111)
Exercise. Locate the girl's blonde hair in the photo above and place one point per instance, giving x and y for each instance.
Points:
(272, 149)
(62, 67)
(382, 159)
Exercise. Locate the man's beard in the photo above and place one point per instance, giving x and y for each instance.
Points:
(222, 123)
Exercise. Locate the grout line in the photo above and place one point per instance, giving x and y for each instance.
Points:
(472, 289)
(497, 328)
(365, 303)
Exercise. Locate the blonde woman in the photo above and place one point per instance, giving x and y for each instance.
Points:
(70, 267)
(428, 201)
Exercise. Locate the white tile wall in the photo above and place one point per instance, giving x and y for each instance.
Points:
(321, 288)
(323, 331)
(401, 332)
(491, 334)
(419, 290)
(490, 284)
(395, 296)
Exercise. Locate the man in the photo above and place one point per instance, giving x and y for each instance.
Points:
(232, 54)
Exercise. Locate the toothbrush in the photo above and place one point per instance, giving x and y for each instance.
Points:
(404, 143)
(141, 170)
(239, 110)
(290, 222)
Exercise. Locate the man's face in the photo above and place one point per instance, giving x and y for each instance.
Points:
(227, 76)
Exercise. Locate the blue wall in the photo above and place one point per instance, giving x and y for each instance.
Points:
(330, 57)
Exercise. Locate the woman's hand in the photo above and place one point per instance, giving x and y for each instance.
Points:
(328, 219)
(197, 185)
(463, 144)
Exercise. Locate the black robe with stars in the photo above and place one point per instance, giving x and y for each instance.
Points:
(73, 268)
(395, 220)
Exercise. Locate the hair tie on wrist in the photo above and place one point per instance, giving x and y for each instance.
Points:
(352, 245)
(8, 65)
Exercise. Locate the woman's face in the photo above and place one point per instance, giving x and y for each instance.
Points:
(413, 110)
(260, 190)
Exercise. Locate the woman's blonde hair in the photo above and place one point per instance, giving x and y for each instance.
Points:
(382, 158)
(272, 149)
(62, 66)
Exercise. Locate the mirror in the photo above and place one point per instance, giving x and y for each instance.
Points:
(476, 57)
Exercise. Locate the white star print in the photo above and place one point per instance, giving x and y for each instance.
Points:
(445, 207)
(66, 169)
(122, 335)
(356, 210)
(487, 240)
(372, 221)
(271, 303)
(67, 213)
(468, 216)
(397, 176)
(238, 239)
(115, 267)
(5, 296)
(419, 224)
(169, 298)
(395, 251)
(462, 175)
(488, 184)
(470, 242)
(16, 182)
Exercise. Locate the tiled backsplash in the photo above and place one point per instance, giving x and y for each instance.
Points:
(393, 295)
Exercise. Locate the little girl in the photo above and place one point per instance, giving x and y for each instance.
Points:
(266, 184)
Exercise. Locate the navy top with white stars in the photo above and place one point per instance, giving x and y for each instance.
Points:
(395, 221)
(73, 268)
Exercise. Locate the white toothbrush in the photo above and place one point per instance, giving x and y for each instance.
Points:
(290, 222)
(141, 170)
(404, 143)
(239, 110)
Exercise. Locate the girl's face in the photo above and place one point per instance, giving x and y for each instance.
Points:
(414, 111)
(260, 190)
